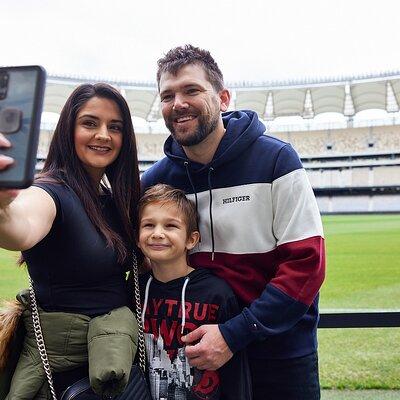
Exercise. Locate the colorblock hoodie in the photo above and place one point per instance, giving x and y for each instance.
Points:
(260, 231)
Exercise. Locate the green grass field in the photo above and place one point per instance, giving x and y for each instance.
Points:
(363, 262)
(12, 277)
(363, 272)
(363, 258)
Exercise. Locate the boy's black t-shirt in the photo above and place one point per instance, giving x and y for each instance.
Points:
(72, 268)
(207, 300)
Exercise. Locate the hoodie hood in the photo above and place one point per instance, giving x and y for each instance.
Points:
(179, 284)
(242, 129)
(194, 276)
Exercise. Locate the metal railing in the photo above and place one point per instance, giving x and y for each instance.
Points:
(374, 319)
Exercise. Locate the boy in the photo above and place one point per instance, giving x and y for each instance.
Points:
(178, 299)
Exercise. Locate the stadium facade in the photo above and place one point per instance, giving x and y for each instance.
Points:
(353, 163)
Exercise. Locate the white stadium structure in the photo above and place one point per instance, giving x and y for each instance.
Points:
(353, 160)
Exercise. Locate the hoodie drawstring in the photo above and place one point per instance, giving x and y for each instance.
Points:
(183, 304)
(186, 163)
(210, 170)
(191, 184)
(146, 298)
(183, 293)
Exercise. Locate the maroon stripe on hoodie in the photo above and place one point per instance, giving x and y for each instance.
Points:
(300, 274)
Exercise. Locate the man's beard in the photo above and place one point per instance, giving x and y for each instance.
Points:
(206, 124)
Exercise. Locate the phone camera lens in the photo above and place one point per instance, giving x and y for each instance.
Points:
(3, 85)
(3, 80)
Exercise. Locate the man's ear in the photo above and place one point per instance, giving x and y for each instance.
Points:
(192, 240)
(225, 98)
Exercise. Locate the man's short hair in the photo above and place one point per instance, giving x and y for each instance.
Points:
(181, 56)
(163, 194)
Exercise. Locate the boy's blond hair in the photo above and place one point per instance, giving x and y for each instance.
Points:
(162, 193)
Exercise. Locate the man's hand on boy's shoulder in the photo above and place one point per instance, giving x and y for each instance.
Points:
(206, 348)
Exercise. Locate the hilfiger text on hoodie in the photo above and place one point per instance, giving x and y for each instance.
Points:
(261, 232)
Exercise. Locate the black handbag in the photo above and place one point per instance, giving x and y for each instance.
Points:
(137, 388)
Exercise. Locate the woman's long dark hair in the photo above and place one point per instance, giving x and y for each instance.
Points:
(63, 165)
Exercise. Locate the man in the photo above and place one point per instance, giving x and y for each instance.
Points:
(259, 222)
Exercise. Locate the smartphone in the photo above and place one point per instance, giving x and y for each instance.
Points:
(21, 103)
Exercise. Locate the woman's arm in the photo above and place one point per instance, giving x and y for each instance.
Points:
(26, 216)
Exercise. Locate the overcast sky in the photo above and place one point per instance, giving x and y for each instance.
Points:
(252, 40)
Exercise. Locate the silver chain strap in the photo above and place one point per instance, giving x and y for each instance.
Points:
(40, 340)
(138, 311)
(39, 334)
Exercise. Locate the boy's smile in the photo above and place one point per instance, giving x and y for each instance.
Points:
(163, 236)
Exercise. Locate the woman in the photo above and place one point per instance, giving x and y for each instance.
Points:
(74, 224)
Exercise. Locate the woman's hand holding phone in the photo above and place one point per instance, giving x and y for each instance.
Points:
(26, 216)
(4, 160)
(6, 195)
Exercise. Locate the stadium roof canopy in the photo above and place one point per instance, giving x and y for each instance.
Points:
(306, 98)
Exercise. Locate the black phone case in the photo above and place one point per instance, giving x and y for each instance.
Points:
(21, 102)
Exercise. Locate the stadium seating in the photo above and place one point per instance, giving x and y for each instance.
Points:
(353, 163)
